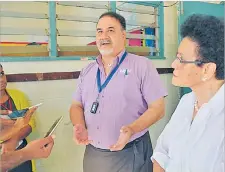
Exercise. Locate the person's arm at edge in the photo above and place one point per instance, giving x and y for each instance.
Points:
(12, 159)
(20, 134)
(40, 148)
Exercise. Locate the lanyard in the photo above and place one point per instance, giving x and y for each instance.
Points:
(10, 105)
(101, 87)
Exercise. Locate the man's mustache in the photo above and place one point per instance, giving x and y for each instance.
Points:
(104, 41)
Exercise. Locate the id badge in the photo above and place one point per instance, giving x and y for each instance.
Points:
(94, 107)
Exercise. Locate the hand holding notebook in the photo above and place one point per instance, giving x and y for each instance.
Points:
(21, 122)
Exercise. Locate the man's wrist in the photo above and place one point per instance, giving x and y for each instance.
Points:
(83, 125)
(131, 127)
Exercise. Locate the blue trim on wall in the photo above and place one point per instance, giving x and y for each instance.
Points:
(47, 58)
(52, 26)
(161, 30)
(112, 5)
(146, 3)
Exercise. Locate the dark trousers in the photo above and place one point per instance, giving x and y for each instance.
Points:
(24, 167)
(135, 157)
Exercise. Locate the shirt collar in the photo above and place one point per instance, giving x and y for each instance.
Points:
(216, 103)
(117, 59)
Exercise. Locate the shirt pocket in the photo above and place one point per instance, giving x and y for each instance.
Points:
(125, 87)
(131, 87)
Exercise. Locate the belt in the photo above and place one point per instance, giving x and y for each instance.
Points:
(128, 145)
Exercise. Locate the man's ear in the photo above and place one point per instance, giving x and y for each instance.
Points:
(124, 37)
(124, 33)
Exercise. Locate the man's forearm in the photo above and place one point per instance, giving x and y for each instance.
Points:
(145, 121)
(12, 159)
(149, 117)
(77, 115)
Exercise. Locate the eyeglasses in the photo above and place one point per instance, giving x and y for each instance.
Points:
(2, 73)
(197, 62)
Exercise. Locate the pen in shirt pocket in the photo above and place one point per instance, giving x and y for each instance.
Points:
(125, 73)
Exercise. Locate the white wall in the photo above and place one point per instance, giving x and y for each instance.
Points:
(57, 96)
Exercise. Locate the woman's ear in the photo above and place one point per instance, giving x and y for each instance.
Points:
(209, 71)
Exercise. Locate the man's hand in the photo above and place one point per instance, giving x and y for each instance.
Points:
(10, 132)
(23, 122)
(125, 134)
(81, 135)
(40, 148)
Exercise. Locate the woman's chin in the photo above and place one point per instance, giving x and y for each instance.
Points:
(176, 82)
(3, 87)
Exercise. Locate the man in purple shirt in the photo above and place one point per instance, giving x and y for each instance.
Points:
(119, 96)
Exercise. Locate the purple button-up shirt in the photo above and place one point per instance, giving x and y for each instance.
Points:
(134, 86)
